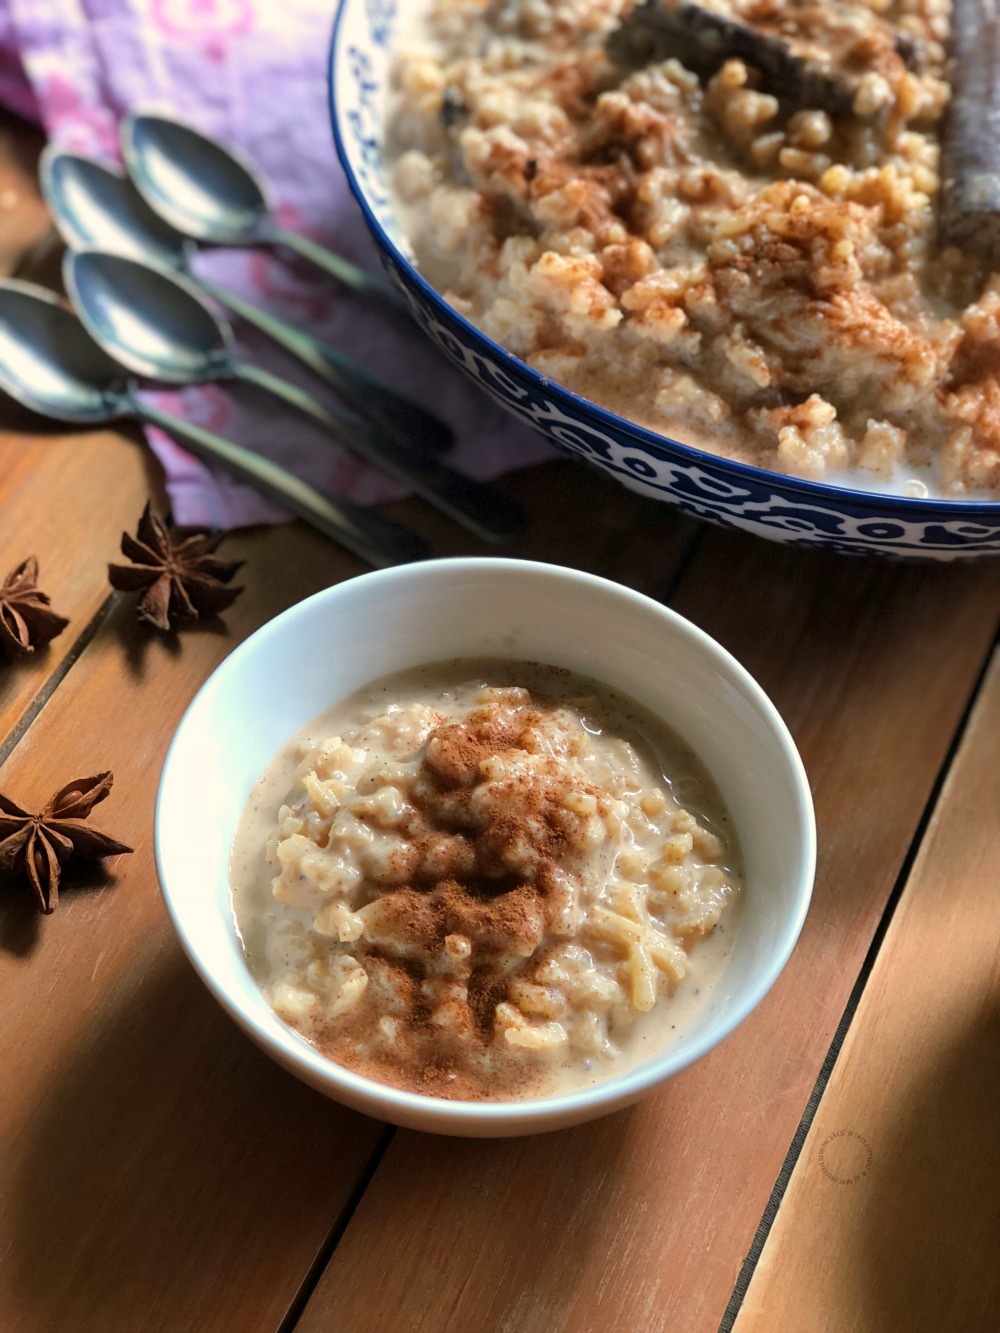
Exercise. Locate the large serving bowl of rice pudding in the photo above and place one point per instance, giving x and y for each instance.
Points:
(484, 847)
(729, 299)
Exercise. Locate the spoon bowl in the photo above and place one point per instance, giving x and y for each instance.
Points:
(151, 320)
(208, 192)
(49, 362)
(95, 205)
(201, 188)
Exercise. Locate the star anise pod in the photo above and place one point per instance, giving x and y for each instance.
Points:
(26, 622)
(38, 845)
(182, 581)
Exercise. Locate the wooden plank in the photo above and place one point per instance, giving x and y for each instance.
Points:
(892, 1216)
(579, 517)
(52, 486)
(158, 1172)
(641, 1221)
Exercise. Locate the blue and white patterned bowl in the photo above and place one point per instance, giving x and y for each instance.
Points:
(785, 509)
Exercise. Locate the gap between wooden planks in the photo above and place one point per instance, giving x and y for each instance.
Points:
(158, 1172)
(891, 1219)
(640, 1222)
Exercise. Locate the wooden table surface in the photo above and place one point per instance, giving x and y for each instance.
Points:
(833, 1167)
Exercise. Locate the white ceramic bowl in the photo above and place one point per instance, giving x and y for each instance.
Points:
(333, 643)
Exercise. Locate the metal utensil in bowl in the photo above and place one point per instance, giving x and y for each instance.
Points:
(97, 206)
(208, 192)
(50, 364)
(157, 324)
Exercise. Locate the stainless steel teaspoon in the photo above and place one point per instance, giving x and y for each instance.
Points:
(50, 363)
(208, 192)
(155, 322)
(96, 206)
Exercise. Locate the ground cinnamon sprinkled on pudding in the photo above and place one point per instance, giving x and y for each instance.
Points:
(482, 890)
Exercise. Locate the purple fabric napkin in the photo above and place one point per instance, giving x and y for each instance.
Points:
(253, 74)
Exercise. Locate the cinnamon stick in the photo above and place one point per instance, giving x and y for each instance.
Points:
(799, 69)
(970, 143)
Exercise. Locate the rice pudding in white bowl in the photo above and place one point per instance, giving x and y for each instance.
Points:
(483, 846)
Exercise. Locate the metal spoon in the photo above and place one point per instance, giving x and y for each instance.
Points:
(207, 192)
(154, 322)
(50, 363)
(95, 205)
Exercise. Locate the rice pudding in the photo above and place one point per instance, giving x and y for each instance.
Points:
(760, 276)
(486, 879)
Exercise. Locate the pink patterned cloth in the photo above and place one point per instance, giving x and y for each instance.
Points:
(253, 74)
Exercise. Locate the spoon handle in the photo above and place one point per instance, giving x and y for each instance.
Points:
(374, 539)
(359, 280)
(481, 508)
(369, 396)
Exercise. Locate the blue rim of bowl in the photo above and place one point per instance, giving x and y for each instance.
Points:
(675, 451)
